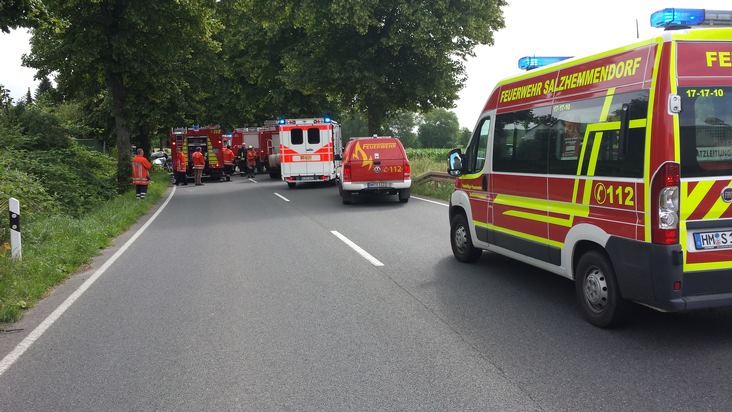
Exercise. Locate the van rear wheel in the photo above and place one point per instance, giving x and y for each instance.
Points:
(598, 292)
(461, 242)
(404, 195)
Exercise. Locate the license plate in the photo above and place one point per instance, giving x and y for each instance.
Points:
(307, 178)
(713, 240)
(378, 184)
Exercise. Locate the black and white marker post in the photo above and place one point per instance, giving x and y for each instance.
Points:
(15, 249)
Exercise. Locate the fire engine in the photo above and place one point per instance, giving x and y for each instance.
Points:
(614, 170)
(209, 139)
(308, 149)
(262, 140)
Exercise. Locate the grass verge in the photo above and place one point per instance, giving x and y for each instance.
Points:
(435, 190)
(56, 246)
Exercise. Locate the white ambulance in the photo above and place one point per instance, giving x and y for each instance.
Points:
(308, 149)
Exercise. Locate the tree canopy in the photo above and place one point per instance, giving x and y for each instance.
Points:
(380, 56)
(137, 54)
(138, 67)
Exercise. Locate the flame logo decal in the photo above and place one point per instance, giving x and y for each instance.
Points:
(359, 154)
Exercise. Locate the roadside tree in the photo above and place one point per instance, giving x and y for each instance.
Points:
(380, 56)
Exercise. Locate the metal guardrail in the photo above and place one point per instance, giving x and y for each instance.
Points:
(436, 177)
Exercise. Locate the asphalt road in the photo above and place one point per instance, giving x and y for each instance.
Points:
(246, 295)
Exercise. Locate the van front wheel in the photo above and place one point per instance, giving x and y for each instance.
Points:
(598, 292)
(461, 242)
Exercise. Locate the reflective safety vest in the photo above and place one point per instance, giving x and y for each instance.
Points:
(140, 168)
(228, 157)
(181, 162)
(198, 160)
(251, 158)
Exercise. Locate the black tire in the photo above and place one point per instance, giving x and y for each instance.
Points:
(461, 242)
(345, 196)
(404, 195)
(598, 293)
(291, 185)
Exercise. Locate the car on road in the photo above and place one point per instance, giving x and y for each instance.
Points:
(374, 165)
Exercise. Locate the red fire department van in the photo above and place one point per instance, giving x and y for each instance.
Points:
(308, 148)
(614, 170)
(209, 139)
(374, 165)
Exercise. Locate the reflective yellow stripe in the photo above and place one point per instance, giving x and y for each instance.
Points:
(537, 239)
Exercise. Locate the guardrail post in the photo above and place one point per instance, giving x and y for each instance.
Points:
(15, 248)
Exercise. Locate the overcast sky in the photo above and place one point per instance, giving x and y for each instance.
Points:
(552, 28)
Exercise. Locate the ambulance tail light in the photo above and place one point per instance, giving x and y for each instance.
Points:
(675, 17)
(665, 205)
(346, 172)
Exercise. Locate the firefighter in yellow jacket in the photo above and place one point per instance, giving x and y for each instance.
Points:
(140, 174)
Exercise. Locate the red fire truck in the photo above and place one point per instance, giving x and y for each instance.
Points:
(209, 139)
(260, 139)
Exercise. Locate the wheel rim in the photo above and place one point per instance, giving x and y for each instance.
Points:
(595, 290)
(461, 239)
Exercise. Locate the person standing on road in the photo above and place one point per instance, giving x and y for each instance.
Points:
(251, 162)
(198, 164)
(140, 174)
(180, 168)
(228, 162)
(242, 159)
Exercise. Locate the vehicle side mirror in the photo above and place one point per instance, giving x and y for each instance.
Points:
(455, 162)
(337, 157)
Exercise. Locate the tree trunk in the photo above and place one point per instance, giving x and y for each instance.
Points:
(124, 150)
(375, 115)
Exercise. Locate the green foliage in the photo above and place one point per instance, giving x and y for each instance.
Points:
(439, 129)
(21, 13)
(402, 125)
(30, 193)
(376, 57)
(433, 155)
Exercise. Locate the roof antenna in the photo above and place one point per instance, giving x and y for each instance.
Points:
(637, 32)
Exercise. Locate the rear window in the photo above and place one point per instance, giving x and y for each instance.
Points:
(706, 131)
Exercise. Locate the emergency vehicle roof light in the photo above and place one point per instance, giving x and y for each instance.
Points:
(533, 62)
(691, 17)
(281, 120)
(326, 119)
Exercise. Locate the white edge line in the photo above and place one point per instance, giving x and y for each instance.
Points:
(282, 197)
(430, 201)
(26, 343)
(357, 248)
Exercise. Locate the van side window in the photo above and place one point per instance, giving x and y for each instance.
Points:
(521, 141)
(296, 136)
(476, 152)
(313, 135)
(590, 139)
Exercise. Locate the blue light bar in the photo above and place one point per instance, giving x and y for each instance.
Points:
(677, 17)
(533, 62)
(281, 120)
(326, 119)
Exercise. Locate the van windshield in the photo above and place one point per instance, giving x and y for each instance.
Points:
(706, 131)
